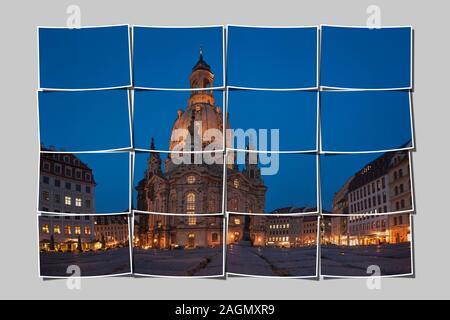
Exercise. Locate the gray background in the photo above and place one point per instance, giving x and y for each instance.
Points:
(19, 157)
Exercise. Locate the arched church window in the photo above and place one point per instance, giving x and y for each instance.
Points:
(190, 208)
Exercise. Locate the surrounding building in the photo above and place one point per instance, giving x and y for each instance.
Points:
(274, 229)
(179, 231)
(66, 233)
(382, 186)
(190, 188)
(339, 224)
(401, 198)
(66, 185)
(112, 230)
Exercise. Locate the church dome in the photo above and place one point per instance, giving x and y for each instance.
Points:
(199, 118)
(201, 113)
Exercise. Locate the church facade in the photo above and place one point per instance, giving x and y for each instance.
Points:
(186, 190)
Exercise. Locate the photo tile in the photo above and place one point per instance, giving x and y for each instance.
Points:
(84, 183)
(367, 184)
(178, 183)
(79, 121)
(84, 58)
(179, 120)
(283, 120)
(164, 57)
(358, 246)
(84, 246)
(366, 58)
(272, 57)
(272, 246)
(278, 183)
(366, 121)
(178, 245)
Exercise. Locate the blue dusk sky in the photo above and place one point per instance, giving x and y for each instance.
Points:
(111, 173)
(84, 120)
(85, 58)
(366, 58)
(155, 113)
(335, 170)
(272, 57)
(365, 120)
(164, 57)
(294, 113)
(295, 184)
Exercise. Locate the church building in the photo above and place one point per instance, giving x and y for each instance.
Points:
(194, 188)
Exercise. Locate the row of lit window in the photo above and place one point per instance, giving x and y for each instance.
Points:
(368, 189)
(67, 200)
(67, 171)
(68, 185)
(67, 229)
(278, 239)
(279, 226)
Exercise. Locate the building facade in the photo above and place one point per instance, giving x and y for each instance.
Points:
(66, 185)
(401, 198)
(339, 223)
(112, 230)
(382, 186)
(66, 233)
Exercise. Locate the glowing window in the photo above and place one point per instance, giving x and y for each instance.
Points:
(45, 229)
(190, 179)
(190, 208)
(56, 229)
(67, 230)
(67, 200)
(77, 230)
(236, 183)
(78, 202)
(237, 221)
